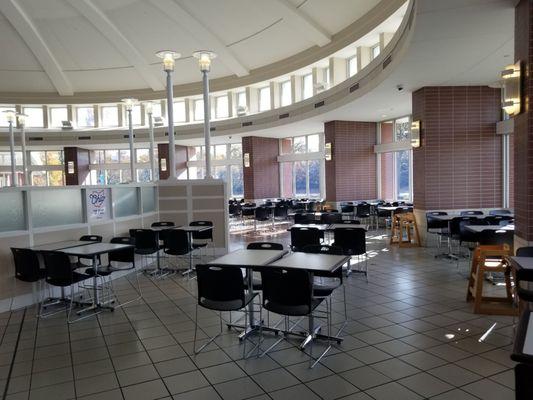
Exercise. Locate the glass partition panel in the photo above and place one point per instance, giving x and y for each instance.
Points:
(56, 207)
(12, 212)
(126, 202)
(148, 196)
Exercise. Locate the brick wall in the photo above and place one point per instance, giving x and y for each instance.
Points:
(523, 127)
(351, 173)
(261, 178)
(387, 163)
(459, 163)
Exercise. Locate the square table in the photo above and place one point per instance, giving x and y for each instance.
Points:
(245, 258)
(320, 227)
(332, 227)
(93, 250)
(59, 245)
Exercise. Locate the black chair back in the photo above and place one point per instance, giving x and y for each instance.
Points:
(363, 210)
(350, 222)
(58, 268)
(264, 246)
(281, 212)
(351, 240)
(330, 218)
(304, 236)
(434, 223)
(499, 212)
(262, 213)
(470, 212)
(524, 252)
(347, 208)
(248, 211)
(91, 238)
(287, 291)
(176, 242)
(145, 240)
(125, 255)
(304, 218)
(27, 268)
(465, 234)
(220, 288)
(455, 223)
(498, 219)
(203, 235)
(492, 237)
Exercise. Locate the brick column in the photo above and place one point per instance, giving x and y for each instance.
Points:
(261, 178)
(523, 127)
(459, 162)
(351, 172)
(181, 160)
(78, 161)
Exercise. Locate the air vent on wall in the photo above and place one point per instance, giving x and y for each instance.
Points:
(213, 128)
(31, 139)
(84, 138)
(127, 136)
(249, 123)
(353, 88)
(387, 61)
(319, 104)
(286, 115)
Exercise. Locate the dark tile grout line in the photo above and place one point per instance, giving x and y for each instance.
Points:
(8, 379)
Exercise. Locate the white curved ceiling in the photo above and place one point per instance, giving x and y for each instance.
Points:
(70, 46)
(454, 43)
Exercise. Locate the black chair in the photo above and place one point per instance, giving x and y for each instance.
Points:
(27, 269)
(498, 219)
(500, 212)
(524, 251)
(177, 243)
(303, 236)
(162, 224)
(289, 292)
(363, 211)
(350, 222)
(281, 213)
(305, 219)
(247, 212)
(262, 214)
(121, 261)
(499, 237)
(348, 209)
(146, 244)
(59, 272)
(436, 226)
(330, 218)
(352, 241)
(466, 235)
(222, 289)
(323, 288)
(454, 227)
(467, 213)
(203, 238)
(261, 246)
(89, 238)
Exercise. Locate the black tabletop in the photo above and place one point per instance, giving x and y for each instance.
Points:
(95, 249)
(311, 262)
(523, 344)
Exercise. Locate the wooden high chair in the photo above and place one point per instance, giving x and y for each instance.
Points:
(404, 230)
(490, 258)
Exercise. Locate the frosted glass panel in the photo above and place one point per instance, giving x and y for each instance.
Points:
(148, 195)
(12, 212)
(56, 207)
(125, 201)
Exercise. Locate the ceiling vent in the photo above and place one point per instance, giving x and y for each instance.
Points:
(286, 115)
(84, 138)
(249, 123)
(353, 88)
(35, 139)
(66, 125)
(158, 121)
(212, 128)
(319, 104)
(241, 111)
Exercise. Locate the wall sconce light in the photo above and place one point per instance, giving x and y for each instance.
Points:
(246, 157)
(327, 151)
(511, 89)
(163, 164)
(415, 134)
(70, 167)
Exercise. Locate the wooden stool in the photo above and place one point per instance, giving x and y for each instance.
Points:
(490, 258)
(404, 230)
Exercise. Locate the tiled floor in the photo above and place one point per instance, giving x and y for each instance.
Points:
(410, 336)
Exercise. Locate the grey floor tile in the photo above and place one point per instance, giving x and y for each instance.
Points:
(340, 362)
(332, 387)
(275, 379)
(62, 391)
(488, 390)
(175, 366)
(425, 385)
(238, 389)
(395, 368)
(481, 366)
(423, 360)
(135, 375)
(294, 392)
(185, 382)
(145, 391)
(365, 377)
(454, 375)
(369, 355)
(95, 384)
(392, 391)
(206, 393)
(223, 372)
(455, 394)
